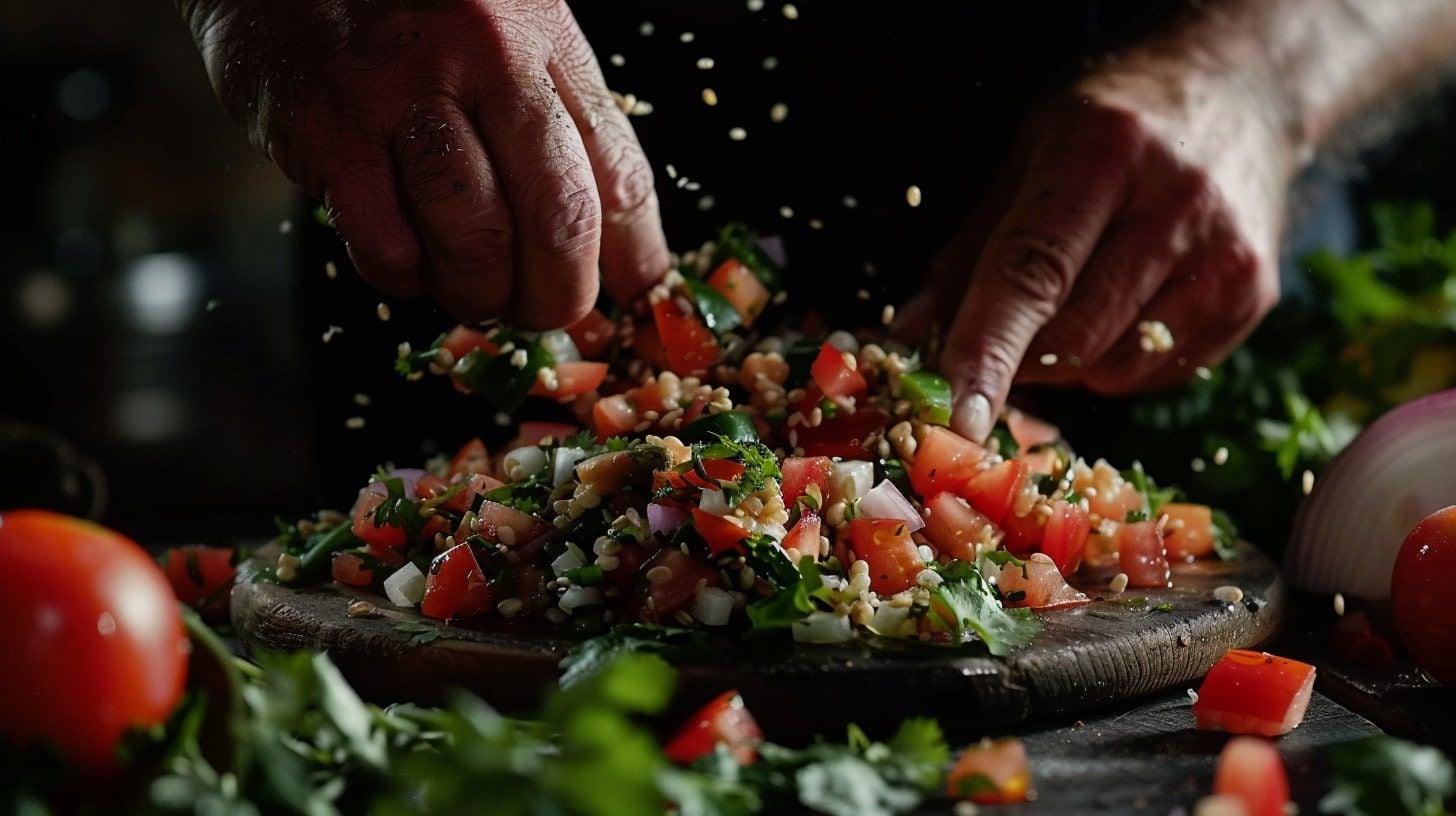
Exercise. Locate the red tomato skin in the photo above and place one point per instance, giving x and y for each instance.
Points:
(886, 545)
(367, 531)
(1248, 692)
(455, 586)
(533, 433)
(741, 288)
(1194, 538)
(1420, 591)
(572, 378)
(93, 640)
(689, 346)
(955, 527)
(476, 484)
(944, 461)
(525, 527)
(1023, 533)
(348, 568)
(1064, 538)
(613, 416)
(833, 374)
(724, 720)
(593, 334)
(214, 566)
(720, 533)
(801, 471)
(993, 491)
(1142, 555)
(462, 340)
(473, 457)
(1001, 763)
(844, 435)
(672, 594)
(805, 535)
(1249, 769)
(647, 344)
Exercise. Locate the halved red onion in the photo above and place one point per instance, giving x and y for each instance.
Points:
(885, 501)
(1400, 470)
(662, 518)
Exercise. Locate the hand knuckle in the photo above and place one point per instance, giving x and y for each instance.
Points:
(573, 223)
(1037, 270)
(477, 244)
(631, 189)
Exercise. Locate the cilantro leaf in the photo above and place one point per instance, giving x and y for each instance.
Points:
(1385, 776)
(781, 609)
(770, 560)
(736, 241)
(1155, 496)
(674, 645)
(718, 314)
(417, 362)
(496, 378)
(965, 603)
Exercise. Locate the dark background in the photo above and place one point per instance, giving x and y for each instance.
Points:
(163, 298)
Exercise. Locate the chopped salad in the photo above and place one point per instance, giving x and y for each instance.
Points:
(722, 474)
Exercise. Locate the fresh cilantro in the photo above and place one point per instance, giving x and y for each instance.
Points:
(790, 604)
(1155, 496)
(1225, 536)
(496, 377)
(965, 603)
(736, 241)
(673, 645)
(1385, 776)
(770, 561)
(1005, 442)
(893, 469)
(760, 465)
(417, 362)
(420, 633)
(718, 314)
(529, 495)
(397, 510)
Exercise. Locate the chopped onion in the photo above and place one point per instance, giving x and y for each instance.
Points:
(562, 347)
(410, 477)
(1396, 473)
(850, 479)
(577, 597)
(406, 586)
(889, 619)
(885, 501)
(662, 518)
(522, 462)
(822, 627)
(715, 502)
(568, 560)
(563, 464)
(712, 606)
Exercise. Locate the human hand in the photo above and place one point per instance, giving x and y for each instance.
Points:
(1151, 195)
(470, 149)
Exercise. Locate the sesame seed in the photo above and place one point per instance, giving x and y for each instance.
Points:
(863, 294)
(1048, 359)
(780, 297)
(755, 5)
(770, 63)
(1339, 603)
(284, 227)
(778, 113)
(737, 134)
(1118, 583)
(710, 97)
(382, 310)
(1203, 373)
(912, 195)
(617, 60)
(331, 270)
(354, 423)
(361, 400)
(1220, 456)
(1197, 465)
(1306, 482)
(518, 358)
(686, 36)
(211, 305)
(705, 63)
(1228, 594)
(333, 330)
(1154, 336)
(786, 211)
(849, 202)
(1193, 696)
(791, 11)
(816, 224)
(361, 609)
(887, 315)
(647, 29)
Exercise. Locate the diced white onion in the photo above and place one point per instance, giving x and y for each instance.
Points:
(406, 586)
(850, 479)
(562, 347)
(888, 619)
(885, 501)
(715, 502)
(523, 462)
(712, 606)
(822, 627)
(569, 560)
(580, 596)
(564, 464)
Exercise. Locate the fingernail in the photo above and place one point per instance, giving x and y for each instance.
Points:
(973, 417)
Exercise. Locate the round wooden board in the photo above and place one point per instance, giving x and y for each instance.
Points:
(1085, 657)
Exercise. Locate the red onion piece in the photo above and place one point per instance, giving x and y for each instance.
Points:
(1398, 471)
(885, 501)
(662, 518)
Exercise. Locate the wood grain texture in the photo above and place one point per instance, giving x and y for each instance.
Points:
(1085, 658)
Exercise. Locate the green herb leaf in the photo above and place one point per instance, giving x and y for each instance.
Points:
(673, 645)
(770, 561)
(1385, 776)
(496, 378)
(786, 606)
(965, 603)
(718, 314)
(929, 395)
(738, 242)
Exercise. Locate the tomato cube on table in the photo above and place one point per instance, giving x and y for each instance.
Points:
(1248, 692)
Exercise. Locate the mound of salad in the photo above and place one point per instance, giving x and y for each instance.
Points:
(723, 473)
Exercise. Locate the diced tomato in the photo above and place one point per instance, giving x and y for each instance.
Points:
(811, 399)
(629, 560)
(391, 557)
(429, 486)
(656, 394)
(1249, 692)
(843, 435)
(671, 593)
(1042, 460)
(1194, 537)
(724, 721)
(647, 344)
(741, 288)
(991, 773)
(456, 586)
(886, 545)
(1142, 555)
(524, 527)
(1029, 431)
(462, 340)
(348, 568)
(690, 346)
(366, 530)
(801, 471)
(835, 375)
(199, 575)
(572, 378)
(944, 460)
(1420, 593)
(614, 416)
(533, 433)
(1037, 585)
(993, 491)
(477, 484)
(1064, 538)
(1115, 498)
(718, 470)
(956, 528)
(1023, 533)
(694, 410)
(1357, 640)
(471, 458)
(1250, 770)
(593, 334)
(720, 533)
(805, 535)
(1102, 547)
(606, 473)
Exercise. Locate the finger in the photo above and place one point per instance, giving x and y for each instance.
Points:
(362, 200)
(1030, 264)
(547, 179)
(634, 252)
(455, 199)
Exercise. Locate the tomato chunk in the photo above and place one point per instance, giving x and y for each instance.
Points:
(944, 461)
(524, 527)
(844, 435)
(1064, 538)
(741, 288)
(593, 334)
(367, 531)
(720, 533)
(956, 528)
(674, 588)
(993, 491)
(991, 773)
(725, 720)
(1038, 584)
(1142, 555)
(348, 568)
(886, 545)
(805, 536)
(200, 576)
(835, 375)
(1249, 692)
(801, 471)
(1250, 770)
(572, 378)
(462, 340)
(456, 586)
(689, 346)
(1420, 592)
(1190, 531)
(614, 416)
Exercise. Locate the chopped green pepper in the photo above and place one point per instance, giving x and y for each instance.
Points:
(929, 395)
(497, 378)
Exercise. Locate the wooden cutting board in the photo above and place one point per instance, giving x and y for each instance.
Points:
(1086, 657)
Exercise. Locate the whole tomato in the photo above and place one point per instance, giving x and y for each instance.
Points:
(1420, 590)
(92, 638)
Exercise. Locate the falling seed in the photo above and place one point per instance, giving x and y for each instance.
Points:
(646, 29)
(849, 202)
(1198, 465)
(686, 36)
(331, 331)
(212, 305)
(503, 419)
(383, 311)
(1228, 594)
(786, 211)
(1048, 359)
(285, 226)
(816, 224)
(912, 195)
(705, 203)
(705, 63)
(1192, 696)
(331, 270)
(755, 5)
(362, 400)
(1339, 603)
(617, 60)
(1203, 373)
(354, 423)
(1307, 482)
(737, 134)
(710, 97)
(1155, 336)
(1118, 584)
(778, 112)
(887, 315)
(671, 171)
(863, 294)
(770, 63)
(791, 11)
(1220, 456)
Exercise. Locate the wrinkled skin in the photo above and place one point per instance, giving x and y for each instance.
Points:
(469, 149)
(1148, 192)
